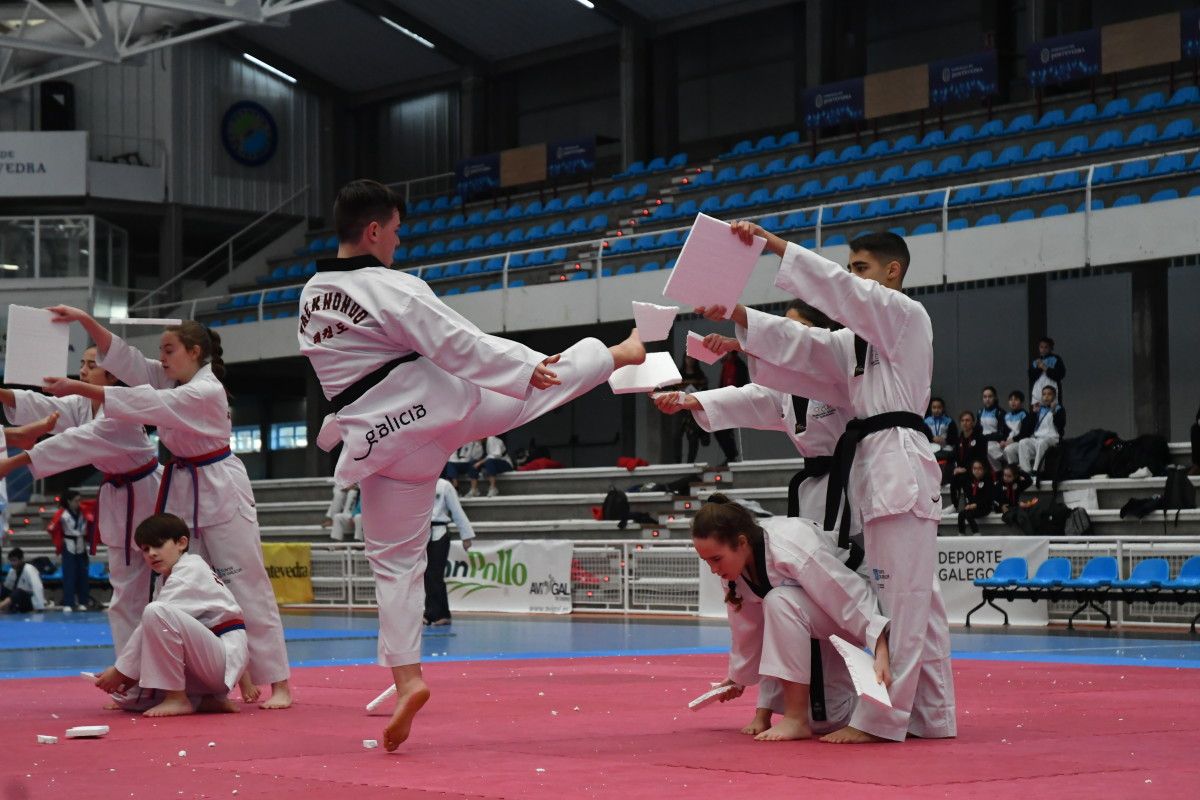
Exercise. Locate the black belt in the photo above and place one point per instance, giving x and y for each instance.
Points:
(813, 468)
(368, 382)
(843, 459)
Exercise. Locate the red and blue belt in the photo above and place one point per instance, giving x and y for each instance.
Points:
(191, 464)
(125, 480)
(230, 625)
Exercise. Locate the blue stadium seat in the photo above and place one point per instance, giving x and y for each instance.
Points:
(766, 143)
(835, 239)
(677, 161)
(627, 269)
(295, 271)
(440, 203)
(456, 222)
(790, 139)
(420, 228)
(1030, 186)
(810, 188)
(1056, 210)
(771, 223)
(981, 159)
(1013, 154)
(574, 202)
(494, 216)
(556, 229)
(1134, 170)
(473, 219)
(876, 208)
(1150, 573)
(726, 175)
(1051, 119)
(899, 230)
(647, 242)
(931, 140)
(796, 220)
(988, 219)
(422, 206)
(997, 191)
(924, 228)
(272, 297)
(864, 180)
(1074, 146)
(852, 153)
(1127, 200)
(1168, 165)
(838, 183)
(969, 194)
(1099, 572)
(904, 144)
(825, 158)
(950, 165)
(474, 288)
(432, 273)
(877, 148)
(598, 223)
(989, 129)
(534, 208)
(656, 164)
(1040, 151)
(516, 211)
(957, 224)
(711, 204)
(534, 233)
(1188, 577)
(473, 267)
(453, 290)
(536, 258)
(316, 245)
(1021, 214)
(636, 168)
(455, 246)
(622, 245)
(291, 295)
(906, 204)
(1185, 96)
(515, 236)
(577, 225)
(1154, 101)
(1084, 113)
(846, 213)
(555, 255)
(1009, 572)
(651, 266)
(581, 275)
(758, 197)
(1142, 135)
(1050, 574)
(277, 274)
(670, 264)
(932, 200)
(963, 133)
(494, 264)
(1020, 124)
(777, 166)
(799, 162)
(437, 224)
(892, 174)
(784, 193)
(687, 208)
(1064, 181)
(594, 200)
(606, 272)
(516, 284)
(1164, 194)
(1177, 129)
(919, 170)
(734, 202)
(1115, 108)
(1107, 140)
(1097, 205)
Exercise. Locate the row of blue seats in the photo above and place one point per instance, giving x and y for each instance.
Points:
(629, 269)
(516, 236)
(658, 164)
(301, 270)
(648, 242)
(958, 164)
(538, 258)
(1120, 107)
(268, 313)
(319, 245)
(535, 208)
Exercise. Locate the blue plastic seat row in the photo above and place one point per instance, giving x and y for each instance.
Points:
(647, 242)
(516, 236)
(677, 161)
(293, 272)
(428, 205)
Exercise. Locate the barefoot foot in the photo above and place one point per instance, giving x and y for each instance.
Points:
(786, 729)
(630, 351)
(176, 704)
(409, 701)
(849, 735)
(250, 692)
(760, 723)
(281, 697)
(213, 704)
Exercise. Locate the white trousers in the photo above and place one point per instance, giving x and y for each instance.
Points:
(131, 591)
(995, 456)
(902, 556)
(346, 526)
(790, 620)
(180, 654)
(234, 551)
(1031, 451)
(397, 502)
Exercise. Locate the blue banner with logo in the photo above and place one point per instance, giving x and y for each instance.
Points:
(570, 157)
(478, 175)
(1189, 33)
(964, 78)
(1064, 58)
(834, 104)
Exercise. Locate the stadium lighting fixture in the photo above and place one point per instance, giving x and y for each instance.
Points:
(586, 3)
(10, 267)
(258, 62)
(407, 32)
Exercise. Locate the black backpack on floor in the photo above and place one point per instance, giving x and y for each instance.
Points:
(1178, 494)
(616, 507)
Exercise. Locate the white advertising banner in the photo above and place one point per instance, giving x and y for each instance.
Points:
(522, 577)
(963, 559)
(43, 164)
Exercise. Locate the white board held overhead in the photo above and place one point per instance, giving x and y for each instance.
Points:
(37, 346)
(714, 265)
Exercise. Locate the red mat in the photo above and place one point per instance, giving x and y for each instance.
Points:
(612, 727)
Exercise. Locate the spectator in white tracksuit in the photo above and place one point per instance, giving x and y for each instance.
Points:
(344, 517)
(446, 509)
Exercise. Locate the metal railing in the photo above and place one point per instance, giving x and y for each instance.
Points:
(426, 186)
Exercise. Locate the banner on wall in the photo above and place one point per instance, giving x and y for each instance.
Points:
(1063, 58)
(1189, 33)
(289, 566)
(478, 175)
(963, 559)
(571, 157)
(834, 103)
(520, 577)
(43, 164)
(955, 80)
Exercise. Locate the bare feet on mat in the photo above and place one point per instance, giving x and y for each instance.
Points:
(786, 729)
(849, 735)
(175, 704)
(112, 707)
(281, 697)
(410, 698)
(250, 692)
(212, 704)
(630, 351)
(760, 723)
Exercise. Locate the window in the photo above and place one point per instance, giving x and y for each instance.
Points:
(246, 439)
(289, 435)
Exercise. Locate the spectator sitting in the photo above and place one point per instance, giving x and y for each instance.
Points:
(734, 372)
(1016, 425)
(22, 590)
(463, 463)
(495, 461)
(1049, 427)
(344, 514)
(694, 380)
(977, 496)
(1048, 369)
(944, 434)
(991, 418)
(1013, 484)
(72, 530)
(970, 447)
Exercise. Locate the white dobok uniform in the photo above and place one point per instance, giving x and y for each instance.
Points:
(27, 580)
(895, 482)
(458, 384)
(208, 488)
(192, 637)
(344, 515)
(811, 595)
(123, 452)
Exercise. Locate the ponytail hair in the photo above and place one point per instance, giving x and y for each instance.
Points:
(724, 520)
(196, 334)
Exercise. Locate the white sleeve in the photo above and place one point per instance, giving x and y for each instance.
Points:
(876, 313)
(749, 406)
(449, 340)
(746, 635)
(199, 407)
(465, 531)
(36, 591)
(795, 382)
(337, 503)
(132, 367)
(129, 660)
(822, 354)
(85, 444)
(31, 406)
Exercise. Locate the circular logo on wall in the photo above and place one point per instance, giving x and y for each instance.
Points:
(249, 133)
(1045, 55)
(819, 100)
(945, 74)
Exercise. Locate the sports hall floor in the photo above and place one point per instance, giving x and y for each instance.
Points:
(596, 707)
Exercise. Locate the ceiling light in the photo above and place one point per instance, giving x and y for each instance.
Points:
(407, 32)
(264, 65)
(10, 267)
(586, 3)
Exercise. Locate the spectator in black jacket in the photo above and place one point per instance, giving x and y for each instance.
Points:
(1049, 427)
(970, 447)
(1013, 484)
(978, 497)
(1016, 425)
(991, 425)
(1048, 369)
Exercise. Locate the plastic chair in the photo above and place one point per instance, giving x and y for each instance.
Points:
(1164, 194)
(1185, 96)
(1050, 574)
(1153, 101)
(1051, 119)
(1177, 129)
(1022, 123)
(1150, 573)
(1127, 200)
(1188, 577)
(1021, 214)
(1099, 572)
(1083, 113)
(1056, 210)
(988, 219)
(1009, 572)
(1115, 108)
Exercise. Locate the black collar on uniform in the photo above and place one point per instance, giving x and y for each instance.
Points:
(763, 584)
(348, 264)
